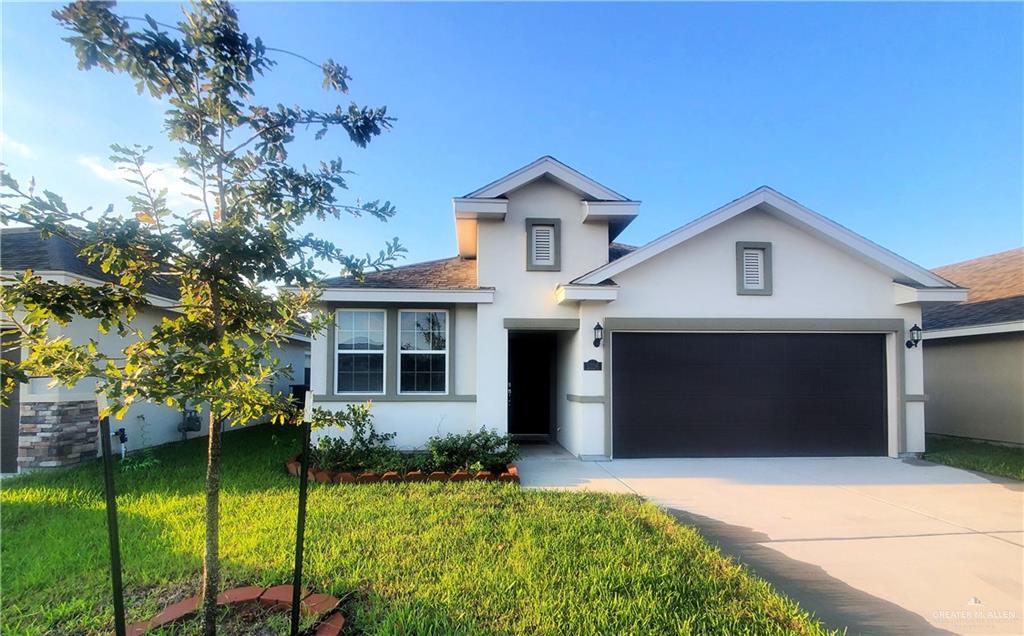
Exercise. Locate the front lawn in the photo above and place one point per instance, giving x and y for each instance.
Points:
(471, 558)
(994, 459)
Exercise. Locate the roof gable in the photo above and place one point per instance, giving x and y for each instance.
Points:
(788, 210)
(551, 168)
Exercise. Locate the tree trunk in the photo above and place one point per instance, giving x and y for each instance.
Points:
(211, 556)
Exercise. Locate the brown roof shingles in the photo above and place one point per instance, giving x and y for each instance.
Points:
(446, 273)
(996, 295)
(989, 277)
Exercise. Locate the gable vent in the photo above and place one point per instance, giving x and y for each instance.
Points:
(753, 268)
(543, 245)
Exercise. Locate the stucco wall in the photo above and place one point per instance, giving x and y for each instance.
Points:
(975, 386)
(147, 424)
(414, 422)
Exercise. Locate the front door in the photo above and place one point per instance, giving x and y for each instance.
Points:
(531, 380)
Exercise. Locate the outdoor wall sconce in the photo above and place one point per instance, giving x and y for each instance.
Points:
(598, 334)
(915, 337)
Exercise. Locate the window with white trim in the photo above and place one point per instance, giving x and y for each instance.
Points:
(422, 351)
(753, 268)
(360, 340)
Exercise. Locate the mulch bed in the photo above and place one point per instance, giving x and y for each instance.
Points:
(294, 467)
(248, 604)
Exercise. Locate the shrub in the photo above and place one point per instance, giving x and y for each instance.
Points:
(483, 449)
(366, 449)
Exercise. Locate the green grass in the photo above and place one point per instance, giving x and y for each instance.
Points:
(994, 459)
(473, 558)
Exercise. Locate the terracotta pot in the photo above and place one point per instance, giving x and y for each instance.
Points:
(324, 476)
(415, 475)
(391, 475)
(460, 475)
(293, 468)
(484, 475)
(513, 470)
(508, 477)
(438, 475)
(369, 477)
(345, 478)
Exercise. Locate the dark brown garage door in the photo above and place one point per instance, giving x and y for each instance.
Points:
(747, 395)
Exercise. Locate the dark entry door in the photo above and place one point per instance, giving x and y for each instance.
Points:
(531, 380)
(9, 417)
(748, 395)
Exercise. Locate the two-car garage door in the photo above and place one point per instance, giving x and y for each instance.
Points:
(748, 394)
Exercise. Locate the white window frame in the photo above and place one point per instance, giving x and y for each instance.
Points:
(382, 352)
(401, 352)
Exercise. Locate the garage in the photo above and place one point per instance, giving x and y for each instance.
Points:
(748, 394)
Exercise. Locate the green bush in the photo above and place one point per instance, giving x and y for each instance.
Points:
(366, 449)
(482, 450)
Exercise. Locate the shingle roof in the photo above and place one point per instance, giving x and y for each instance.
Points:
(24, 248)
(618, 250)
(446, 273)
(989, 277)
(996, 285)
(986, 312)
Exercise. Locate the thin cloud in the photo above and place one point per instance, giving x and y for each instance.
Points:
(8, 145)
(162, 176)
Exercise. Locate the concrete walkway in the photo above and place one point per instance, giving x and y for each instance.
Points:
(878, 545)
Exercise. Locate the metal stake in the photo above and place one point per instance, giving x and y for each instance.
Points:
(115, 547)
(300, 526)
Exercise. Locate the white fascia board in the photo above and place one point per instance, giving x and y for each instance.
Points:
(906, 295)
(65, 278)
(673, 238)
(790, 211)
(556, 170)
(978, 330)
(598, 211)
(568, 294)
(855, 242)
(365, 294)
(480, 208)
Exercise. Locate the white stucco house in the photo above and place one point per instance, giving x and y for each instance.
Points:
(759, 329)
(52, 426)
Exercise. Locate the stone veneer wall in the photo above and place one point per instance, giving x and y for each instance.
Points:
(57, 433)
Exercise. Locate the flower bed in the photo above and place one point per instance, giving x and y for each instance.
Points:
(366, 456)
(294, 466)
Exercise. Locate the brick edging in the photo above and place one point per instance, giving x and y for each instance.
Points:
(511, 475)
(325, 606)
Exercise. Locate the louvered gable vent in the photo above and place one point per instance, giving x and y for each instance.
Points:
(543, 245)
(753, 268)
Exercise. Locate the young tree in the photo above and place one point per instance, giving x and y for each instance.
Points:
(217, 347)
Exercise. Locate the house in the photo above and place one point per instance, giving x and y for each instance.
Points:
(47, 426)
(974, 352)
(759, 329)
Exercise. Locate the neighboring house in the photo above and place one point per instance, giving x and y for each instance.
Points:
(761, 328)
(45, 427)
(974, 352)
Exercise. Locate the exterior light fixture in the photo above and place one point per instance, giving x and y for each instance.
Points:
(915, 337)
(598, 334)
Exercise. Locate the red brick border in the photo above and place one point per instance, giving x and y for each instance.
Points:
(324, 606)
(510, 475)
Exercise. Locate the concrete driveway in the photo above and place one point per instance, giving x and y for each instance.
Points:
(878, 545)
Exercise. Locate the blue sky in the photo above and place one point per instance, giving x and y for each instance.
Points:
(902, 122)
